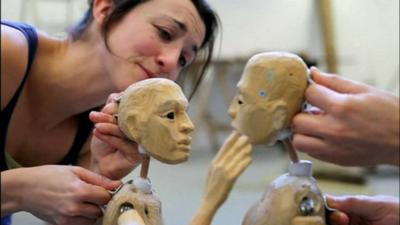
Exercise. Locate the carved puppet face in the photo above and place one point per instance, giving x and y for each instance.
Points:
(270, 92)
(153, 113)
(144, 208)
(285, 200)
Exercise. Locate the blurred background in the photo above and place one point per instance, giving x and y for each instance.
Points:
(358, 39)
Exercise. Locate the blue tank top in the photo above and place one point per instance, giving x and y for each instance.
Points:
(85, 125)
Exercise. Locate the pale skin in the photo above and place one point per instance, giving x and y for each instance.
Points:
(42, 121)
(362, 210)
(78, 201)
(361, 120)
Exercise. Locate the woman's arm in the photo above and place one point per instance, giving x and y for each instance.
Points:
(14, 60)
(11, 187)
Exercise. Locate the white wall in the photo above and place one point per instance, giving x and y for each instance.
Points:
(366, 32)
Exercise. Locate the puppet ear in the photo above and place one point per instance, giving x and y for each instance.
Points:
(131, 127)
(280, 115)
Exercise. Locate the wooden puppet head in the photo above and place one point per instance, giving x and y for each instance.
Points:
(270, 92)
(292, 198)
(153, 113)
(144, 207)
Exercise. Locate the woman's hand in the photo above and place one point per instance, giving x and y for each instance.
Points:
(357, 125)
(364, 210)
(61, 195)
(113, 155)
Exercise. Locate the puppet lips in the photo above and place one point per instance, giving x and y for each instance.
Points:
(185, 141)
(184, 148)
(184, 144)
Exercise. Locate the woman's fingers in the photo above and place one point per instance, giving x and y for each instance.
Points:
(309, 124)
(114, 97)
(90, 211)
(95, 179)
(101, 117)
(109, 129)
(127, 147)
(81, 220)
(338, 83)
(313, 146)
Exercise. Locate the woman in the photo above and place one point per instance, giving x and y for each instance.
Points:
(46, 98)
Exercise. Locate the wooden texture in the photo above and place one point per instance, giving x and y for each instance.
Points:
(325, 8)
(270, 92)
(145, 166)
(147, 206)
(280, 202)
(153, 113)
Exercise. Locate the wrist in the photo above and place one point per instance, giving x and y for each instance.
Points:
(97, 167)
(209, 207)
(94, 166)
(204, 214)
(12, 184)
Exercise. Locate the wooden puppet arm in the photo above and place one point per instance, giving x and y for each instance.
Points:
(308, 220)
(232, 159)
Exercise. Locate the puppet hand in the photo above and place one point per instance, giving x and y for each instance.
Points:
(359, 210)
(113, 155)
(308, 220)
(232, 159)
(357, 126)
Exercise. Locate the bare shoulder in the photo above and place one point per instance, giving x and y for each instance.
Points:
(14, 60)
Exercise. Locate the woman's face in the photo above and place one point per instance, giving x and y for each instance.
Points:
(157, 38)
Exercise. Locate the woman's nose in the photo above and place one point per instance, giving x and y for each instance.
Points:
(168, 62)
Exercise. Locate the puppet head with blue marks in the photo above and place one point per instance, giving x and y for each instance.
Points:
(270, 92)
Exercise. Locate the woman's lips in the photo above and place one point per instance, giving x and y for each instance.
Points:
(148, 73)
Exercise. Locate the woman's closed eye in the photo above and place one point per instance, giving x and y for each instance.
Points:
(164, 34)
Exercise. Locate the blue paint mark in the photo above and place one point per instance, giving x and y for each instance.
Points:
(263, 93)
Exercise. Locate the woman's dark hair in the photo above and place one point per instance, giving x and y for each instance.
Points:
(122, 7)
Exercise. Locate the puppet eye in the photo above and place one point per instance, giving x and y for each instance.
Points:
(126, 207)
(307, 206)
(170, 115)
